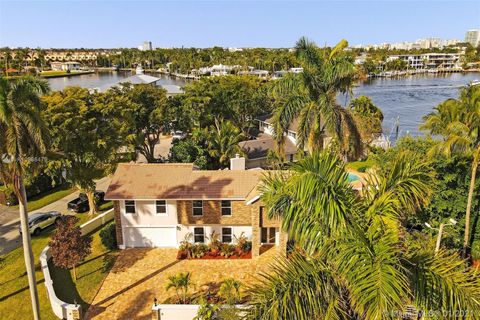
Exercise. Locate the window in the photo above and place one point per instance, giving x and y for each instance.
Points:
(161, 207)
(268, 235)
(197, 207)
(226, 235)
(199, 235)
(130, 206)
(226, 208)
(292, 134)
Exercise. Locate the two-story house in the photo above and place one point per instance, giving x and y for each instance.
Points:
(157, 205)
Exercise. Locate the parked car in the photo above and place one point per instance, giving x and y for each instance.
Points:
(178, 135)
(39, 221)
(80, 204)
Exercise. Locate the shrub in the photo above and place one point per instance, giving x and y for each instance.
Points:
(109, 237)
(199, 250)
(243, 244)
(207, 311)
(227, 250)
(362, 169)
(186, 245)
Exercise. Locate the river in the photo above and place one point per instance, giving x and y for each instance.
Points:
(407, 99)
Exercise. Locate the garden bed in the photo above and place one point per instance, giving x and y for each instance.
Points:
(215, 256)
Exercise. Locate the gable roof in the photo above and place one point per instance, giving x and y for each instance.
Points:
(179, 181)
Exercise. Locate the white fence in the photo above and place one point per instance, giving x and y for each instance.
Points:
(178, 311)
(63, 310)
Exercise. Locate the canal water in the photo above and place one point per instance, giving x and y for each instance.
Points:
(404, 100)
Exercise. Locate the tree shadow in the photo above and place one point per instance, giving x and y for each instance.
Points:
(136, 306)
(128, 258)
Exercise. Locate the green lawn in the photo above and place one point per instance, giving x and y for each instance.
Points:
(360, 165)
(52, 73)
(14, 293)
(44, 199)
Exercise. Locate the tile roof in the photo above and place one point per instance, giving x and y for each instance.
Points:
(179, 181)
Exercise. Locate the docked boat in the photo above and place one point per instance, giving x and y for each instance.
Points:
(472, 83)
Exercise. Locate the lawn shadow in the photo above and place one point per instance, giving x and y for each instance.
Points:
(64, 286)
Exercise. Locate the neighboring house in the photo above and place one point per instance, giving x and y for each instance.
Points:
(66, 66)
(156, 205)
(138, 78)
(257, 149)
(172, 90)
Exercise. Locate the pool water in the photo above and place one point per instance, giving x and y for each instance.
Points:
(353, 177)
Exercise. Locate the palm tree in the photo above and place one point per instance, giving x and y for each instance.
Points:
(230, 290)
(222, 141)
(23, 137)
(311, 99)
(181, 282)
(458, 122)
(354, 258)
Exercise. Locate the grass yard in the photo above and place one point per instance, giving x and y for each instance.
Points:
(14, 293)
(44, 199)
(360, 166)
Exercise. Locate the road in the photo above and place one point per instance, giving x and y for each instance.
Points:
(10, 220)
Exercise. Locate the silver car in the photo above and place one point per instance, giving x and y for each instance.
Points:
(39, 221)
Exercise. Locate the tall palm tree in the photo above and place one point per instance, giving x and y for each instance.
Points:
(311, 98)
(222, 141)
(23, 137)
(354, 258)
(458, 122)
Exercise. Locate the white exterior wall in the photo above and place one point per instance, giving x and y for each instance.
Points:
(145, 215)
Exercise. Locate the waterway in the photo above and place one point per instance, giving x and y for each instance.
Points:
(405, 99)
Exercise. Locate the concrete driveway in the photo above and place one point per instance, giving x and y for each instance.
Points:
(10, 220)
(139, 275)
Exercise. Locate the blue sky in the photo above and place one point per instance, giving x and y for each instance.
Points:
(107, 24)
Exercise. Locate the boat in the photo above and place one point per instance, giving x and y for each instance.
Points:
(472, 83)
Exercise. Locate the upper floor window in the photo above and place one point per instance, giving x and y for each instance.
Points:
(130, 206)
(199, 235)
(161, 207)
(226, 235)
(226, 208)
(292, 134)
(197, 207)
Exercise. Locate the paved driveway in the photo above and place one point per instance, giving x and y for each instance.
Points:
(10, 220)
(140, 275)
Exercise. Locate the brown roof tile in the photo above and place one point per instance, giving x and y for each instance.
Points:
(179, 181)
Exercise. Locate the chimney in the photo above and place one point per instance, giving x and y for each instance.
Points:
(237, 163)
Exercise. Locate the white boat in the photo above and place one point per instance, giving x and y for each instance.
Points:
(472, 83)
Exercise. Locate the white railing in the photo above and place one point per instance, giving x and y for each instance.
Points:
(61, 308)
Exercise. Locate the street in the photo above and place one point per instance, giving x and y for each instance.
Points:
(10, 220)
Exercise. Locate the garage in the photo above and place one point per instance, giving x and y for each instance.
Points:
(150, 237)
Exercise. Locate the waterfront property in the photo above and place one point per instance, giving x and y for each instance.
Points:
(65, 66)
(158, 205)
(429, 60)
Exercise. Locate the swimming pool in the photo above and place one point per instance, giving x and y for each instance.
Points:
(352, 177)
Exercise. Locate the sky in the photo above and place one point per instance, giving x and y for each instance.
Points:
(111, 24)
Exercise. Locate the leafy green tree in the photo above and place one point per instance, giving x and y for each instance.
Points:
(458, 122)
(189, 150)
(368, 118)
(311, 99)
(355, 259)
(150, 113)
(86, 133)
(230, 291)
(396, 65)
(238, 99)
(23, 140)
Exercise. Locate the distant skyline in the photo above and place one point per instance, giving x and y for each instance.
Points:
(115, 24)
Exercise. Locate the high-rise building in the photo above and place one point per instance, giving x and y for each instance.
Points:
(146, 46)
(473, 37)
